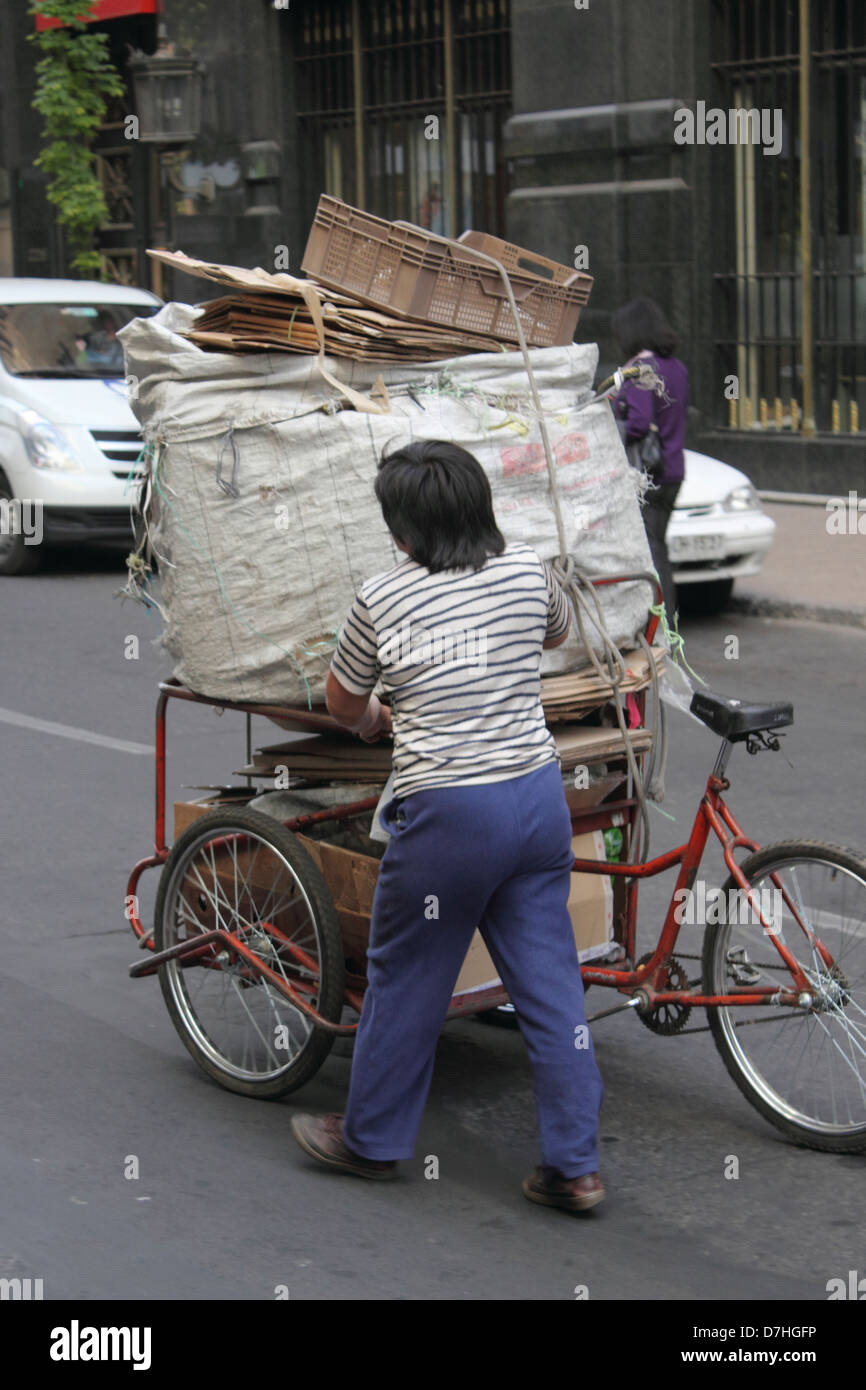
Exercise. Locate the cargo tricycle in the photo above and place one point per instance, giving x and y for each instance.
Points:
(260, 930)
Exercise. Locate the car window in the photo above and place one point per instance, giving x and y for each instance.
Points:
(66, 339)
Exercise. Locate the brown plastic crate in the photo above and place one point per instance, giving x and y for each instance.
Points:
(518, 261)
(412, 274)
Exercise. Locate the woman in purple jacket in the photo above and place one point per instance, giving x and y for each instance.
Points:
(643, 331)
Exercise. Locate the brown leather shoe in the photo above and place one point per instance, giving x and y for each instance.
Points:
(573, 1194)
(321, 1136)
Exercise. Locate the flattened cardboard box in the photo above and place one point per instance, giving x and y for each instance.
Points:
(185, 812)
(590, 902)
(227, 864)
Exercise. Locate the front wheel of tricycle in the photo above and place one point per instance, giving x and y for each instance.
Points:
(803, 1066)
(244, 873)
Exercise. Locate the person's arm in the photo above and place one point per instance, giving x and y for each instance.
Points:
(354, 671)
(635, 407)
(558, 612)
(364, 715)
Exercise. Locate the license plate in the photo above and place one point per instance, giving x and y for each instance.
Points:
(696, 547)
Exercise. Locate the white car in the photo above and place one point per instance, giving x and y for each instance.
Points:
(68, 439)
(718, 532)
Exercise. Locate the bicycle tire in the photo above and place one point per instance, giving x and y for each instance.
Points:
(716, 971)
(313, 892)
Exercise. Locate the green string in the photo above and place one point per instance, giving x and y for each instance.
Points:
(675, 641)
(229, 605)
(329, 641)
(142, 458)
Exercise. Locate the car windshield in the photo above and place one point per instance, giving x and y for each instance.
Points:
(58, 340)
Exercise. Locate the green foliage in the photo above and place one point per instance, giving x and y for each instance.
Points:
(75, 81)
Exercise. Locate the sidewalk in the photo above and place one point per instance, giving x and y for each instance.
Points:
(808, 572)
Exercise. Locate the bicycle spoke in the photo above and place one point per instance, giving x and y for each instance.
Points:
(236, 881)
(850, 1063)
(816, 1083)
(245, 1006)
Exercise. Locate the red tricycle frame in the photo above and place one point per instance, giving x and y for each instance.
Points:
(643, 983)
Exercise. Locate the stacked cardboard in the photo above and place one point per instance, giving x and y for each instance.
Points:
(324, 758)
(563, 698)
(282, 313)
(332, 758)
(262, 322)
(574, 696)
(581, 745)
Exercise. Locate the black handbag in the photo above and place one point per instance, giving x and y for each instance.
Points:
(646, 454)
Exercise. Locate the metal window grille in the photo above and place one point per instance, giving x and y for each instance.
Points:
(401, 107)
(791, 281)
(839, 62)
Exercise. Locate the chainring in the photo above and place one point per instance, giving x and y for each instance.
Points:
(668, 1019)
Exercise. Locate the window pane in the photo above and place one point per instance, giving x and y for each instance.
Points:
(402, 50)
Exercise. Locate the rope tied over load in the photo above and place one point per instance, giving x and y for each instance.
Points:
(580, 589)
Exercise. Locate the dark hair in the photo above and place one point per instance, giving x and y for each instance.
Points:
(436, 500)
(641, 324)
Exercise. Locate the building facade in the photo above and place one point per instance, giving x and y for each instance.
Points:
(709, 153)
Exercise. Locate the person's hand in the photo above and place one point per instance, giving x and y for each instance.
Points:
(380, 728)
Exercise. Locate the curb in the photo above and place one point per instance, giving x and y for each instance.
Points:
(806, 499)
(789, 608)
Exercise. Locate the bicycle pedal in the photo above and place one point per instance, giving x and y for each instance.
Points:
(739, 967)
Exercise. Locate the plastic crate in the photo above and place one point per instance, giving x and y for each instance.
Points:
(520, 262)
(413, 274)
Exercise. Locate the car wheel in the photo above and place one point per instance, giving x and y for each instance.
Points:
(15, 556)
(706, 598)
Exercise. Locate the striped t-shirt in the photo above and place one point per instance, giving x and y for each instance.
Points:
(458, 653)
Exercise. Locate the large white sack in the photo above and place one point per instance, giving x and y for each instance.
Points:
(256, 586)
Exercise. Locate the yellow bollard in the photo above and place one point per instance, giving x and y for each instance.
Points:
(854, 411)
(763, 413)
(795, 415)
(777, 410)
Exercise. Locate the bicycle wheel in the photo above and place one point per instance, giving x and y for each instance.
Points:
(803, 1068)
(244, 872)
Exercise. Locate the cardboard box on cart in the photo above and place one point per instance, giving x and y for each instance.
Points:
(590, 906)
(351, 879)
(227, 864)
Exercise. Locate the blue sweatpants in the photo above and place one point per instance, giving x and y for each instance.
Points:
(497, 857)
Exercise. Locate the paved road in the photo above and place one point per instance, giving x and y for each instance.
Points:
(226, 1206)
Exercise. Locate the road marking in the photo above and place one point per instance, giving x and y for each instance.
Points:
(48, 726)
